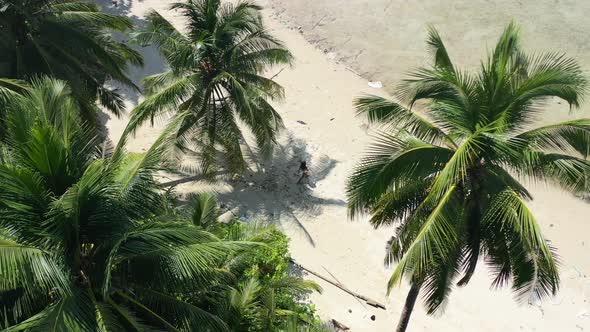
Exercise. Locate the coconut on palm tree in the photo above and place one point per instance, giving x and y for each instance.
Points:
(86, 243)
(215, 81)
(70, 40)
(448, 177)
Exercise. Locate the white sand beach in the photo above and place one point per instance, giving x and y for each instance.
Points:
(383, 40)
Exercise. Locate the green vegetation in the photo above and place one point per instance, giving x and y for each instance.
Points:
(214, 81)
(264, 296)
(89, 241)
(68, 40)
(80, 248)
(449, 179)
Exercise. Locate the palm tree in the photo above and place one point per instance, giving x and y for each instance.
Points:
(85, 243)
(449, 179)
(215, 80)
(69, 40)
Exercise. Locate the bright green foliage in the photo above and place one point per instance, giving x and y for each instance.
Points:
(264, 296)
(449, 179)
(269, 262)
(69, 40)
(85, 240)
(215, 79)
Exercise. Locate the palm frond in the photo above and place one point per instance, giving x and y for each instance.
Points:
(245, 297)
(565, 136)
(31, 269)
(392, 162)
(434, 241)
(11, 85)
(398, 204)
(438, 284)
(381, 110)
(204, 210)
(536, 276)
(456, 169)
(185, 315)
(438, 50)
(563, 170)
(168, 99)
(72, 313)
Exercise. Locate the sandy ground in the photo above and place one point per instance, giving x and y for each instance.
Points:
(321, 127)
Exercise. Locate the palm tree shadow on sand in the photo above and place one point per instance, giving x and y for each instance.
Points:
(271, 192)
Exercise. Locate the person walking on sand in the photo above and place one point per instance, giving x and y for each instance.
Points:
(304, 172)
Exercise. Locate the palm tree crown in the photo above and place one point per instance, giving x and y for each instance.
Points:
(69, 40)
(214, 82)
(449, 178)
(86, 243)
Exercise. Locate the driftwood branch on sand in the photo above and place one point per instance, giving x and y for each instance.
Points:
(369, 301)
(182, 180)
(339, 325)
(277, 74)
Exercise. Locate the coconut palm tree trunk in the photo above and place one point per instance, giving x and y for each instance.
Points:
(408, 308)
